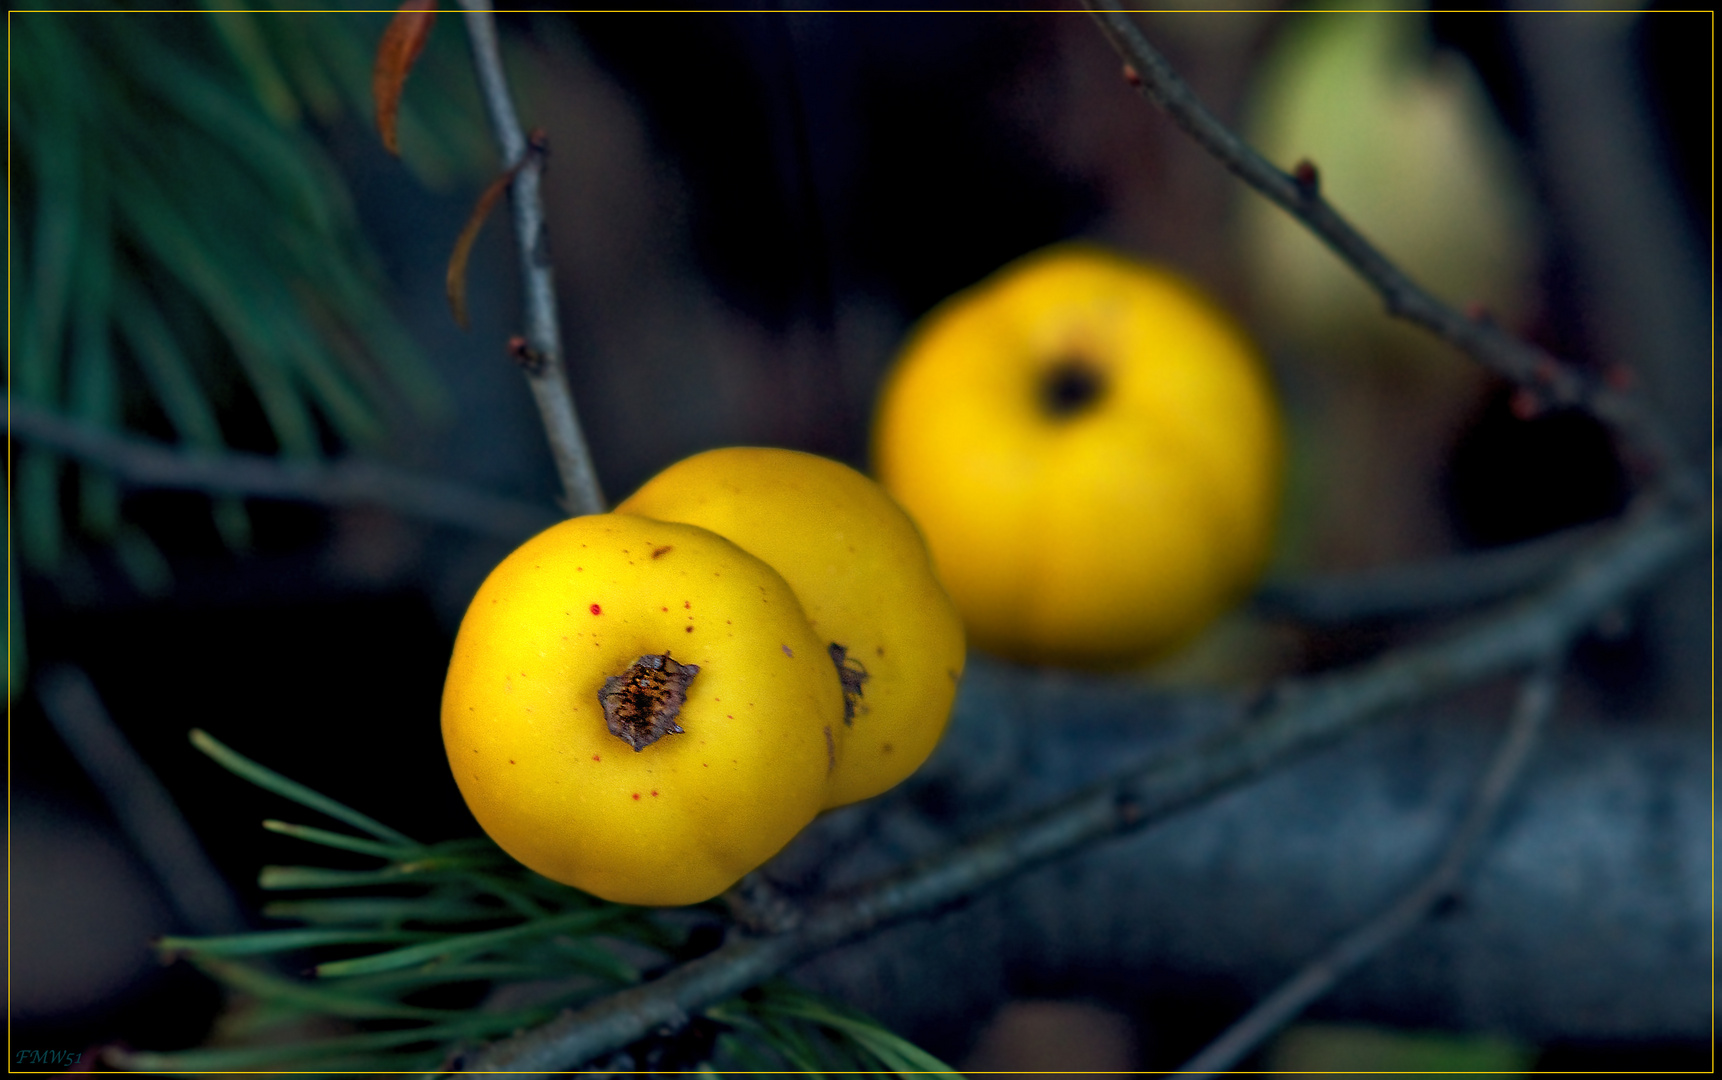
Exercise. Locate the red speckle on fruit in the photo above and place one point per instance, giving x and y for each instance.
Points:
(655, 553)
(654, 794)
(887, 748)
(596, 610)
(689, 629)
(663, 609)
(686, 604)
(511, 761)
(595, 757)
(636, 796)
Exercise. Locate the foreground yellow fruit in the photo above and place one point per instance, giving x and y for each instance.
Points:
(1092, 450)
(864, 579)
(565, 619)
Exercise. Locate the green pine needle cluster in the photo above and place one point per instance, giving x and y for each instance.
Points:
(441, 948)
(184, 252)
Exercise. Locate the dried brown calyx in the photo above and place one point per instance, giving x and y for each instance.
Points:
(642, 703)
(851, 674)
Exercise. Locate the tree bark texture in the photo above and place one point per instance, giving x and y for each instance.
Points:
(1585, 917)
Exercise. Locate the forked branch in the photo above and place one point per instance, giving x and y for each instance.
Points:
(1554, 383)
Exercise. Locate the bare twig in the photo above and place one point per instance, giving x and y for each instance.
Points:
(140, 804)
(1299, 716)
(145, 463)
(1432, 588)
(1553, 382)
(1536, 700)
(547, 373)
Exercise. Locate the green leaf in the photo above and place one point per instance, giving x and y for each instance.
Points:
(37, 491)
(17, 664)
(335, 839)
(59, 197)
(239, 31)
(895, 1052)
(381, 910)
(270, 780)
(313, 998)
(183, 248)
(463, 945)
(142, 561)
(158, 355)
(95, 389)
(264, 942)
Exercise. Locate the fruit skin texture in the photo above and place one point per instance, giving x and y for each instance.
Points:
(682, 819)
(864, 578)
(1104, 533)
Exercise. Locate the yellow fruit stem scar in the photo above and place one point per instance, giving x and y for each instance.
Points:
(641, 704)
(1071, 386)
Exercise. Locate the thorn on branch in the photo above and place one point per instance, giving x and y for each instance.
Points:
(531, 361)
(1479, 313)
(1132, 76)
(1307, 178)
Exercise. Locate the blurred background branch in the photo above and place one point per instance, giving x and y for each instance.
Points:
(345, 482)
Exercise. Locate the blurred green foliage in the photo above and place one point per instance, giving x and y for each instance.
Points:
(184, 253)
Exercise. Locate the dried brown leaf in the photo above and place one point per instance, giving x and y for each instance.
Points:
(396, 53)
(457, 259)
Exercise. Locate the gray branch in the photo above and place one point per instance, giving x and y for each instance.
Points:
(1296, 717)
(1536, 700)
(146, 463)
(1554, 382)
(140, 804)
(545, 366)
(1432, 588)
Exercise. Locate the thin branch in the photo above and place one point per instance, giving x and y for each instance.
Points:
(545, 366)
(1530, 715)
(145, 463)
(1432, 588)
(140, 804)
(1298, 716)
(1554, 383)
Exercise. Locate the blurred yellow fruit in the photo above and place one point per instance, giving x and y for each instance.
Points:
(864, 579)
(1409, 149)
(639, 709)
(1093, 452)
